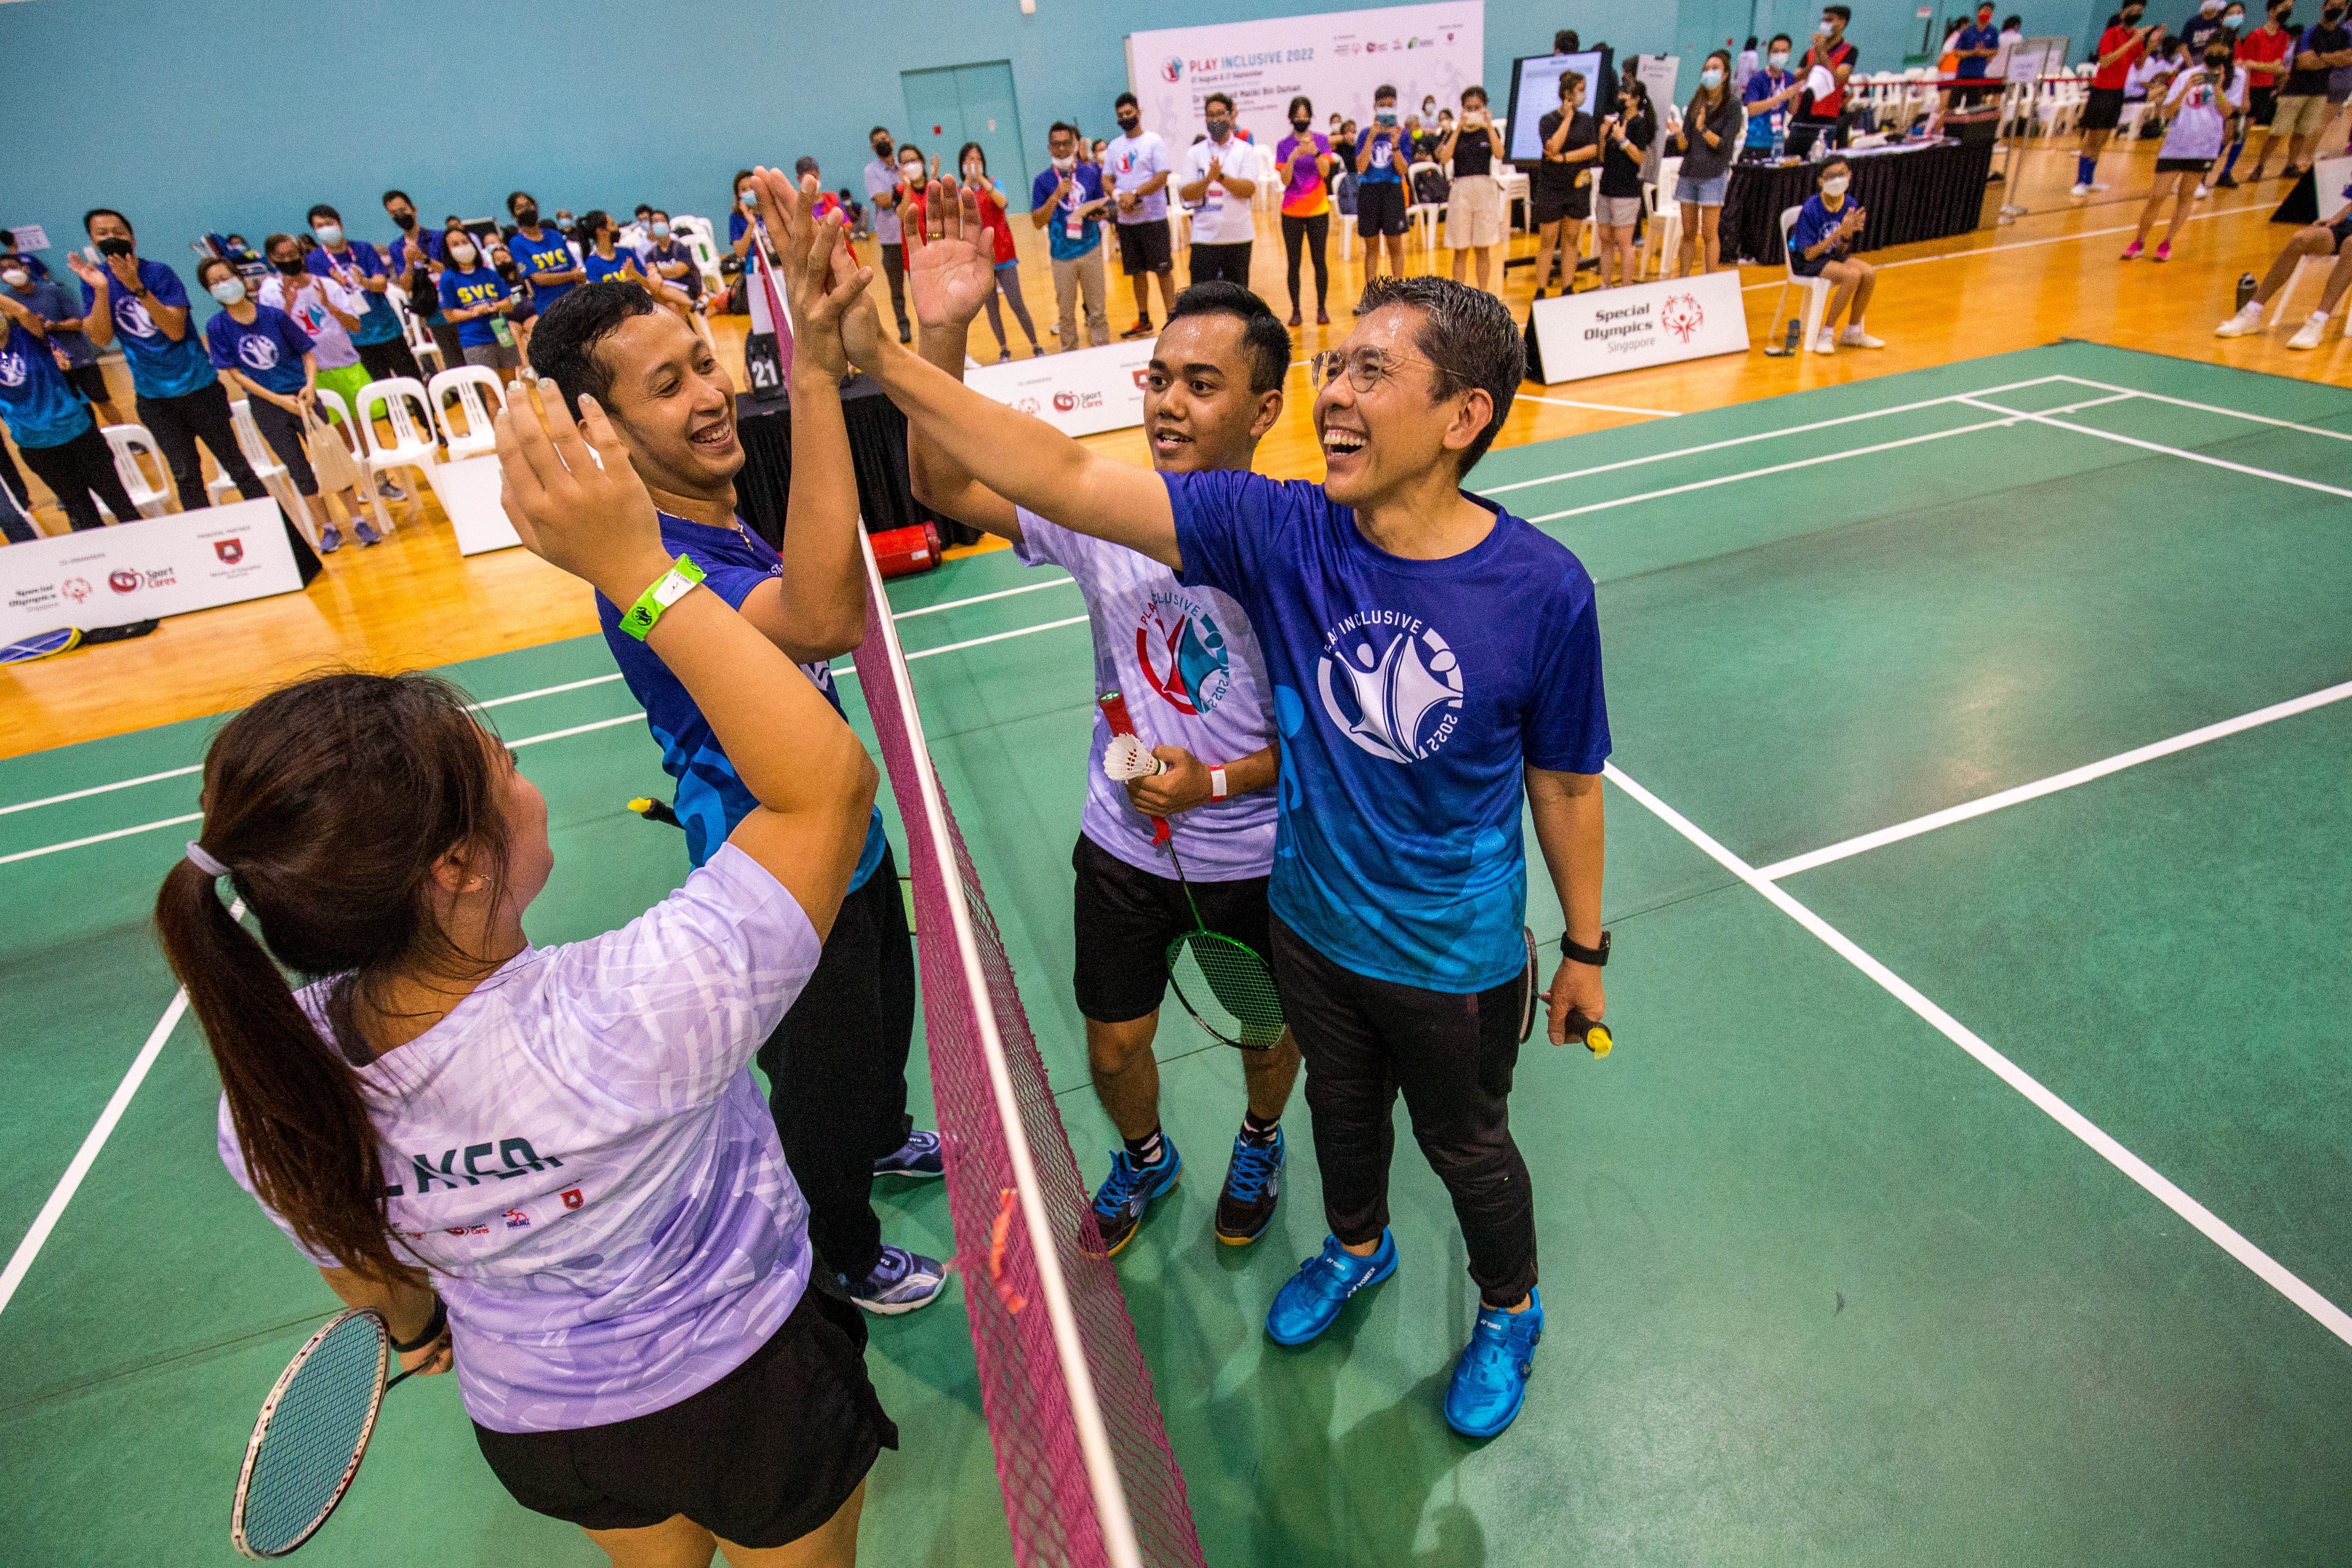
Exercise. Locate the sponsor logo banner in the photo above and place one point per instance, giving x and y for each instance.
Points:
(1082, 392)
(1608, 330)
(145, 569)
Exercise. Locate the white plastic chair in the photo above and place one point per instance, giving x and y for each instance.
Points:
(1663, 228)
(467, 382)
(1271, 178)
(1422, 213)
(412, 329)
(1817, 289)
(409, 446)
(2320, 264)
(132, 444)
(696, 235)
(273, 474)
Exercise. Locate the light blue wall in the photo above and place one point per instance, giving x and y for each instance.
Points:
(195, 115)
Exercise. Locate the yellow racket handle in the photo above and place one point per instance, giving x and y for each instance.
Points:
(1593, 1035)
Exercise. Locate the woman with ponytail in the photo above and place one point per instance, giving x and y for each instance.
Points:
(560, 1150)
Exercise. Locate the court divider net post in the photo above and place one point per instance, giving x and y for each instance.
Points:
(1082, 1453)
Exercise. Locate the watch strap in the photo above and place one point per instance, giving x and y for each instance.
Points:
(1217, 788)
(1598, 957)
(667, 590)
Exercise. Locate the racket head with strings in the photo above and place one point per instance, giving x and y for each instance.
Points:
(1531, 986)
(1227, 988)
(41, 645)
(312, 1432)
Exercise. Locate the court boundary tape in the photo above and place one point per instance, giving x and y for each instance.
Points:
(2272, 1272)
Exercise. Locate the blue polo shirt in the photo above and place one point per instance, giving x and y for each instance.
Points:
(407, 248)
(710, 800)
(159, 367)
(1975, 37)
(1409, 701)
(1086, 185)
(377, 323)
(1762, 86)
(53, 304)
(462, 292)
(548, 253)
(268, 350)
(41, 407)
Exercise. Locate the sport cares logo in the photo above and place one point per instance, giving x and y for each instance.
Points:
(1392, 685)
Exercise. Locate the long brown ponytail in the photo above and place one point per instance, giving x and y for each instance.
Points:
(329, 801)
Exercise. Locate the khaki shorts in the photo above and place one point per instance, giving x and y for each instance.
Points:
(1474, 215)
(1617, 212)
(2306, 114)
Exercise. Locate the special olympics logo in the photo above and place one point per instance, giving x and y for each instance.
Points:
(1028, 405)
(1393, 689)
(13, 370)
(257, 351)
(132, 318)
(75, 588)
(1172, 69)
(1183, 653)
(1682, 316)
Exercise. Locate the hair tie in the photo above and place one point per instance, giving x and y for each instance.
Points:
(205, 862)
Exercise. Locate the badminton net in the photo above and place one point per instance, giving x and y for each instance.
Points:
(1081, 1453)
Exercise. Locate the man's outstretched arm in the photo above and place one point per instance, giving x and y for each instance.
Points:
(1023, 459)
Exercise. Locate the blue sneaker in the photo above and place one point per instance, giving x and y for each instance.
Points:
(1310, 1303)
(916, 1159)
(1490, 1381)
(1131, 1189)
(1253, 1185)
(901, 1281)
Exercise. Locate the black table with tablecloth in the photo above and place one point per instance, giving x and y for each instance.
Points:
(1909, 192)
(877, 452)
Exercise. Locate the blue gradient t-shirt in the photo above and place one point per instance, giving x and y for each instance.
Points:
(36, 404)
(161, 366)
(1409, 695)
(710, 798)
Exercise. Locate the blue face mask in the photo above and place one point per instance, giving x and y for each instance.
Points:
(1711, 77)
(228, 290)
(660, 229)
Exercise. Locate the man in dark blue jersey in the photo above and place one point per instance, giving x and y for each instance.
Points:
(837, 1063)
(1436, 662)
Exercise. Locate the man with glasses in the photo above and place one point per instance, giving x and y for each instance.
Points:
(1435, 663)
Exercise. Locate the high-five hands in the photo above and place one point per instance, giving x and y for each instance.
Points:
(822, 282)
(950, 263)
(594, 521)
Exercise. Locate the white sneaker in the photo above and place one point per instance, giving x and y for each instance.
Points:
(1826, 343)
(2080, 189)
(2244, 324)
(1854, 337)
(2203, 189)
(2314, 327)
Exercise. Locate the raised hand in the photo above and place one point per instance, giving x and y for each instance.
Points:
(594, 521)
(950, 275)
(85, 271)
(818, 297)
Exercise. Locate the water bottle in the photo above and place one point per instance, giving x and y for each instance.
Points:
(1780, 137)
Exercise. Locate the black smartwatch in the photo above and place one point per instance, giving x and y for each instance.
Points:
(432, 1329)
(1596, 956)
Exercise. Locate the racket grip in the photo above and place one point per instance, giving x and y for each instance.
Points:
(1114, 708)
(1590, 1033)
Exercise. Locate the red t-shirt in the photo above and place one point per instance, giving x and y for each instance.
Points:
(992, 213)
(1829, 105)
(2263, 48)
(2112, 77)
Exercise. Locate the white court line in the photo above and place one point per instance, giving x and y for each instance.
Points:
(2029, 243)
(2054, 783)
(1804, 462)
(2205, 408)
(21, 1260)
(99, 837)
(577, 730)
(103, 789)
(1603, 407)
(981, 598)
(2268, 1270)
(543, 691)
(1760, 435)
(2157, 446)
(975, 642)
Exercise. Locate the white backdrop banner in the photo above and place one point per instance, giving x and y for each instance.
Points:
(468, 491)
(145, 570)
(1335, 58)
(2333, 176)
(1604, 331)
(1082, 392)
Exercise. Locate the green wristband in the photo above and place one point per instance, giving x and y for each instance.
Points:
(667, 591)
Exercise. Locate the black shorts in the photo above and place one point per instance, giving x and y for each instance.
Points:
(2105, 108)
(760, 1458)
(1144, 248)
(2262, 103)
(89, 380)
(1126, 916)
(1380, 207)
(1561, 201)
(2183, 165)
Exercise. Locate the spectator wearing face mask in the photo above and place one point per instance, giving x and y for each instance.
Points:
(2266, 54)
(52, 426)
(62, 318)
(1066, 201)
(329, 315)
(671, 259)
(1821, 245)
(266, 356)
(1474, 208)
(545, 257)
(1769, 94)
(2308, 101)
(882, 191)
(1562, 188)
(1136, 170)
(2198, 104)
(1830, 52)
(1306, 161)
(359, 267)
(1626, 139)
(478, 300)
(416, 261)
(1215, 186)
(971, 167)
(1975, 46)
(601, 255)
(143, 305)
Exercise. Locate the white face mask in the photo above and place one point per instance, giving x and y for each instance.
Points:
(1064, 165)
(16, 279)
(331, 234)
(1777, 58)
(1821, 28)
(228, 290)
(972, 173)
(911, 173)
(1711, 77)
(1834, 187)
(462, 254)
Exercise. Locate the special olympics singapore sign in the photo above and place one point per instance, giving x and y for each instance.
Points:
(1604, 331)
(1335, 58)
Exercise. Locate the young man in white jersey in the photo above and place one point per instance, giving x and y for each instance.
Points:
(1187, 664)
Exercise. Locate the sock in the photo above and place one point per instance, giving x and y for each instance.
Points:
(2229, 163)
(1259, 1131)
(2085, 166)
(1147, 1149)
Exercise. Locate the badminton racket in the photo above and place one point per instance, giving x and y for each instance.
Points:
(1590, 1033)
(1223, 983)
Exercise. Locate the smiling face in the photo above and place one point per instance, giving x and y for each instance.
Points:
(1377, 442)
(1198, 412)
(674, 402)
